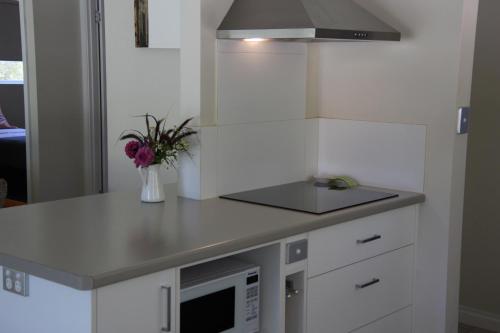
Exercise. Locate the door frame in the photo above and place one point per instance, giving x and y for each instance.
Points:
(94, 97)
(30, 98)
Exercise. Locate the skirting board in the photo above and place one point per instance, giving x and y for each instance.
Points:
(480, 319)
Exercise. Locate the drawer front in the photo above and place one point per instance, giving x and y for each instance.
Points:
(399, 322)
(348, 298)
(343, 244)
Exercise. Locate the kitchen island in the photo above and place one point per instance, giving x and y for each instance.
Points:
(75, 248)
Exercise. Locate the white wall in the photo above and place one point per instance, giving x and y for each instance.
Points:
(139, 81)
(480, 252)
(415, 81)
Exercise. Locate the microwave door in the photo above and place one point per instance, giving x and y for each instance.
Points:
(213, 307)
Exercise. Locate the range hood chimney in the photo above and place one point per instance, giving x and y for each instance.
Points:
(303, 20)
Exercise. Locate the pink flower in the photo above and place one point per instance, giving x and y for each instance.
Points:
(144, 157)
(131, 148)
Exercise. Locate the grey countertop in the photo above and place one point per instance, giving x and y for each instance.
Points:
(93, 241)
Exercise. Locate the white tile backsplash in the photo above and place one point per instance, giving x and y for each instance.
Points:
(233, 158)
(263, 139)
(312, 146)
(258, 155)
(259, 82)
(380, 154)
(262, 134)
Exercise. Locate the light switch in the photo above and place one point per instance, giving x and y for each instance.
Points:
(463, 120)
(15, 282)
(296, 251)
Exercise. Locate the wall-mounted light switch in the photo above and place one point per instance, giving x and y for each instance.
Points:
(463, 120)
(15, 282)
(296, 251)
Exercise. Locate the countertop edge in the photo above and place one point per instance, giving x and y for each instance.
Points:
(67, 279)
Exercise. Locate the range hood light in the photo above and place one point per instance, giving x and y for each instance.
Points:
(254, 40)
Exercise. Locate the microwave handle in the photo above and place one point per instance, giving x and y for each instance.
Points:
(166, 309)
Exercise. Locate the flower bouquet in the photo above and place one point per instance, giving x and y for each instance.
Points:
(153, 148)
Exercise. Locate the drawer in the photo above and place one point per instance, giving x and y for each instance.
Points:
(348, 298)
(343, 244)
(399, 322)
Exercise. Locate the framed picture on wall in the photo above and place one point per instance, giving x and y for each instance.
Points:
(141, 23)
(157, 23)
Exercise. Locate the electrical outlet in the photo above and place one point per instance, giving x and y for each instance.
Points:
(15, 282)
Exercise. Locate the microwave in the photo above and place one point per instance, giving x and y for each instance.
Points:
(221, 296)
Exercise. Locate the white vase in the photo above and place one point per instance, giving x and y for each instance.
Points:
(152, 188)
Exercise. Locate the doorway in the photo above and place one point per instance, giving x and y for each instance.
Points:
(480, 272)
(64, 97)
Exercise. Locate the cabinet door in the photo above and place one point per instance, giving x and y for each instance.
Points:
(346, 299)
(141, 305)
(399, 322)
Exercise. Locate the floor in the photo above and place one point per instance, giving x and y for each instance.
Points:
(462, 328)
(13, 203)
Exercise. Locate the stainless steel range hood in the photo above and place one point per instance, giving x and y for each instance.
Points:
(303, 20)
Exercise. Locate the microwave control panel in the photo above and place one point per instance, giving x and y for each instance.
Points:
(252, 302)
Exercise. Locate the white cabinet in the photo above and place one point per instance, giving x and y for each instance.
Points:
(348, 298)
(141, 305)
(361, 275)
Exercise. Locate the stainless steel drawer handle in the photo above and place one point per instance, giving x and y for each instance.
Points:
(166, 308)
(369, 240)
(367, 284)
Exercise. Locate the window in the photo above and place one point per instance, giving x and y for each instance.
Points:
(11, 72)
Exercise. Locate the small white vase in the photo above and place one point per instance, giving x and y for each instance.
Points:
(152, 188)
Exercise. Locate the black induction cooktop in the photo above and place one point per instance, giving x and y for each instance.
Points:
(306, 197)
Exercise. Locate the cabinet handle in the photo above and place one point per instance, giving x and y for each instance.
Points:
(367, 284)
(369, 240)
(166, 307)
